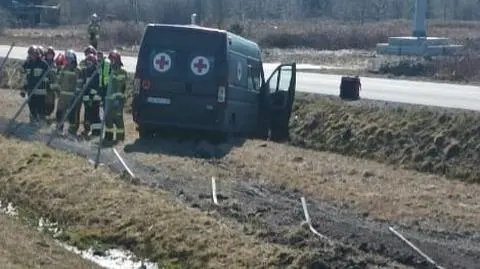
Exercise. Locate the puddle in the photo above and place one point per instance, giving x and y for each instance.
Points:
(110, 259)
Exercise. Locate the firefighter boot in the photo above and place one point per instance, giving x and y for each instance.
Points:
(108, 140)
(33, 118)
(60, 127)
(120, 136)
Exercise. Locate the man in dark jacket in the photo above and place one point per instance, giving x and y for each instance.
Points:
(92, 97)
(35, 68)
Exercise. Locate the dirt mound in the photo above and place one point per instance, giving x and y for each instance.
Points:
(427, 139)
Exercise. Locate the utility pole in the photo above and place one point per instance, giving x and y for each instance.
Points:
(134, 4)
(218, 11)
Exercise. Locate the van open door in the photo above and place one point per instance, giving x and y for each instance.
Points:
(280, 94)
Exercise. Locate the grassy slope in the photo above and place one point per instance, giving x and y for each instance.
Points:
(426, 139)
(23, 248)
(98, 206)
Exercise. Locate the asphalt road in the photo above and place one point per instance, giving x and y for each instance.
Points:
(414, 92)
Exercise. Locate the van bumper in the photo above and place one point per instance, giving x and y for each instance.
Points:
(162, 125)
(215, 122)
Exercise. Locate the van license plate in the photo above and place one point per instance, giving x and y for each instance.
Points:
(157, 100)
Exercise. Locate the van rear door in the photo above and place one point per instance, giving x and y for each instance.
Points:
(184, 60)
(182, 69)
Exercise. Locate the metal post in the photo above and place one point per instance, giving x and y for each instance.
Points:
(25, 102)
(6, 57)
(76, 99)
(412, 246)
(137, 19)
(125, 166)
(105, 115)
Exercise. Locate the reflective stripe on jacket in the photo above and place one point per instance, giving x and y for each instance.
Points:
(104, 72)
(67, 80)
(117, 90)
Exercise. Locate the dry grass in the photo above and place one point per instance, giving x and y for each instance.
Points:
(313, 35)
(426, 139)
(114, 34)
(24, 248)
(98, 206)
(334, 35)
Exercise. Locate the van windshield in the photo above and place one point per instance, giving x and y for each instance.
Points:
(182, 54)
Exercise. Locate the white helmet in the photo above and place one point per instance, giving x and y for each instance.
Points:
(94, 17)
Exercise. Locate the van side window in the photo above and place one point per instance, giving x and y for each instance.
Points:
(254, 78)
(285, 77)
(273, 83)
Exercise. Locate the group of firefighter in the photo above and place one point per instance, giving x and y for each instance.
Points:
(97, 82)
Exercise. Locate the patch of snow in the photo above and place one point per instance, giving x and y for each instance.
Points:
(8, 209)
(111, 259)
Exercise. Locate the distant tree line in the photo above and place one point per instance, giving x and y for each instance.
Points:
(220, 11)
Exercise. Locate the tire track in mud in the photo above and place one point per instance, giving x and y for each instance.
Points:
(275, 214)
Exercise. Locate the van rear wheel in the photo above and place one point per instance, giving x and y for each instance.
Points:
(145, 132)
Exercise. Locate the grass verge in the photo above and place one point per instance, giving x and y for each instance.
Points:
(24, 248)
(96, 206)
(427, 139)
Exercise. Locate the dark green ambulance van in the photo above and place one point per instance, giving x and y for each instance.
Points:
(205, 79)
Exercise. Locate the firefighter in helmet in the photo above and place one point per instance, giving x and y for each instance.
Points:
(94, 30)
(52, 86)
(31, 53)
(67, 80)
(115, 101)
(87, 51)
(41, 50)
(35, 68)
(92, 96)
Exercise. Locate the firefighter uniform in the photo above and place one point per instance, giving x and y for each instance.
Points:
(104, 65)
(94, 30)
(91, 98)
(52, 86)
(67, 79)
(35, 70)
(115, 101)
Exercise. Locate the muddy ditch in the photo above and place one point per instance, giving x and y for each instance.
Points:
(275, 214)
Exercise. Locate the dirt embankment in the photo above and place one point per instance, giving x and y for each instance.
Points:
(427, 139)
